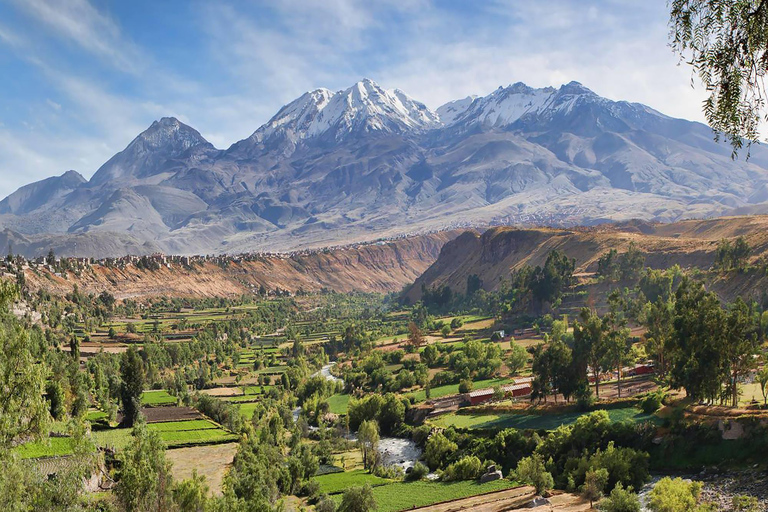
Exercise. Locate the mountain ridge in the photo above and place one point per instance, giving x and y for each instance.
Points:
(365, 162)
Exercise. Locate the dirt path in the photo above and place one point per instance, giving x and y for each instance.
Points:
(510, 500)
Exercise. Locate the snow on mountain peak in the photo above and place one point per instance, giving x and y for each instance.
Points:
(506, 105)
(363, 107)
(169, 131)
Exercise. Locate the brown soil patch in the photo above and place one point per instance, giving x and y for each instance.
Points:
(213, 462)
(510, 500)
(222, 391)
(159, 414)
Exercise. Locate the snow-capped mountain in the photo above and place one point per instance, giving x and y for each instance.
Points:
(333, 167)
(363, 108)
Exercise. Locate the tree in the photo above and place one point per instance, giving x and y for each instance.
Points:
(658, 320)
(358, 499)
(191, 495)
(531, 470)
(594, 484)
(697, 363)
(617, 341)
(132, 374)
(429, 355)
(56, 399)
(24, 410)
(590, 335)
(674, 495)
(474, 283)
(368, 439)
(465, 386)
(415, 336)
(518, 358)
(438, 449)
(740, 344)
(620, 500)
(762, 379)
(144, 478)
(725, 41)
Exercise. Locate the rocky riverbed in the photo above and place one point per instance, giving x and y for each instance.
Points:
(721, 487)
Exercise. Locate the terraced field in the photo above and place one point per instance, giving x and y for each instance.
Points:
(157, 397)
(533, 421)
(173, 433)
(404, 496)
(334, 483)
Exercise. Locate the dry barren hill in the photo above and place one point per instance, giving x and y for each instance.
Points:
(379, 267)
(493, 254)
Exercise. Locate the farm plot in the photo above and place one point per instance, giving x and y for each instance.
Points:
(338, 404)
(247, 409)
(334, 483)
(533, 421)
(173, 433)
(453, 389)
(403, 496)
(160, 414)
(52, 447)
(217, 459)
(157, 398)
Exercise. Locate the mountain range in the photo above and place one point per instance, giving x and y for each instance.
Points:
(367, 163)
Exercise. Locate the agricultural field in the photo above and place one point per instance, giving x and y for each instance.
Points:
(403, 496)
(453, 389)
(157, 398)
(217, 460)
(339, 403)
(173, 433)
(334, 483)
(486, 421)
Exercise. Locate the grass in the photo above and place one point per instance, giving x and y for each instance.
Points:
(246, 410)
(334, 483)
(403, 496)
(339, 404)
(748, 392)
(533, 421)
(173, 433)
(93, 416)
(157, 397)
(453, 389)
(54, 447)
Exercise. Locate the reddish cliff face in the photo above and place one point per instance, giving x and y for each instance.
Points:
(380, 267)
(495, 253)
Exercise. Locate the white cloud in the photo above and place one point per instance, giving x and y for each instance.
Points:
(261, 56)
(78, 21)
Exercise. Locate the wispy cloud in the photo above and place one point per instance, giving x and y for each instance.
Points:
(95, 77)
(79, 22)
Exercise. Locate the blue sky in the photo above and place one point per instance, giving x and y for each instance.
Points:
(81, 78)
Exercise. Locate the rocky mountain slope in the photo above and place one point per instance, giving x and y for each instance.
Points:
(495, 253)
(365, 163)
(380, 267)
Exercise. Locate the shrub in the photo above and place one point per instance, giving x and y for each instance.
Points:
(438, 449)
(466, 468)
(620, 500)
(531, 470)
(358, 499)
(325, 504)
(465, 386)
(418, 472)
(652, 402)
